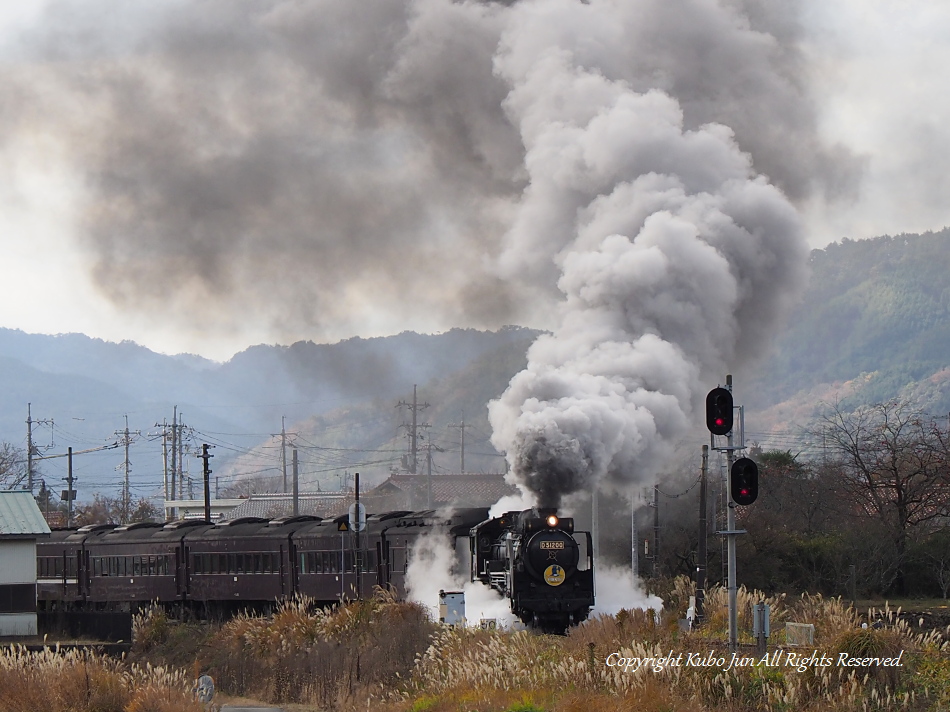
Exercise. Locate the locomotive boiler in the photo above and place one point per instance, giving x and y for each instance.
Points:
(539, 563)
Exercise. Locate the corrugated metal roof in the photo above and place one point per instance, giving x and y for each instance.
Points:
(468, 490)
(20, 515)
(281, 505)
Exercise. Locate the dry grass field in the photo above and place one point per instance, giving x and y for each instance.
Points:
(385, 655)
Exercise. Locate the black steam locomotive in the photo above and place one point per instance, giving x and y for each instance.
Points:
(248, 563)
(534, 559)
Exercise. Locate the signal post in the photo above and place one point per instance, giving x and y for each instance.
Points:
(743, 486)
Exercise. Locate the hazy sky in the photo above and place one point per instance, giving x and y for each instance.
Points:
(202, 176)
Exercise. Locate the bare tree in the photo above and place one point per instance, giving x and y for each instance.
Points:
(111, 510)
(892, 463)
(12, 466)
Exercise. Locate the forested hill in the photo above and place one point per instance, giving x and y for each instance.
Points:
(874, 326)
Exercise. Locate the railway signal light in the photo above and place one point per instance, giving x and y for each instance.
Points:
(719, 411)
(744, 482)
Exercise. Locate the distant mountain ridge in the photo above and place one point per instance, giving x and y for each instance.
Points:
(87, 386)
(874, 325)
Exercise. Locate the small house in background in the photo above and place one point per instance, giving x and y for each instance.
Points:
(414, 492)
(275, 505)
(21, 524)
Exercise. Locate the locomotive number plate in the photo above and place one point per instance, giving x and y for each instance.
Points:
(552, 544)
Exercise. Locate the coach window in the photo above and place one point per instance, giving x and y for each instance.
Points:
(399, 559)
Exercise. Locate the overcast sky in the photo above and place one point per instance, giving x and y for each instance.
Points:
(203, 176)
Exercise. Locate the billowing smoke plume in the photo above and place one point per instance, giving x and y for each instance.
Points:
(323, 168)
(675, 259)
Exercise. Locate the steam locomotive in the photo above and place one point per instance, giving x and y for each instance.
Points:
(251, 563)
(534, 559)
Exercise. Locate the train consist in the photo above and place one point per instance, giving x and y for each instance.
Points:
(251, 563)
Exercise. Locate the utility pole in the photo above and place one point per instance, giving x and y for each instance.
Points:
(296, 485)
(656, 531)
(165, 466)
(634, 537)
(181, 457)
(71, 493)
(701, 553)
(595, 523)
(461, 428)
(174, 458)
(31, 448)
(126, 490)
(207, 479)
(429, 448)
(414, 407)
(283, 453)
(359, 550)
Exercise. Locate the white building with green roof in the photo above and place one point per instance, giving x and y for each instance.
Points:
(21, 524)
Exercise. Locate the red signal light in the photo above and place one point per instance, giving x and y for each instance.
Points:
(744, 482)
(719, 411)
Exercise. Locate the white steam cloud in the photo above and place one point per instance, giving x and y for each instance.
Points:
(434, 565)
(674, 257)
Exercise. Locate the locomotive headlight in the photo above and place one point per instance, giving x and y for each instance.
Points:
(552, 520)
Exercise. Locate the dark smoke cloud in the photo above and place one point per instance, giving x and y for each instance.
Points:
(326, 167)
(675, 257)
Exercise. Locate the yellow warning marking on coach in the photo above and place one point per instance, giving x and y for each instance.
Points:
(554, 575)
